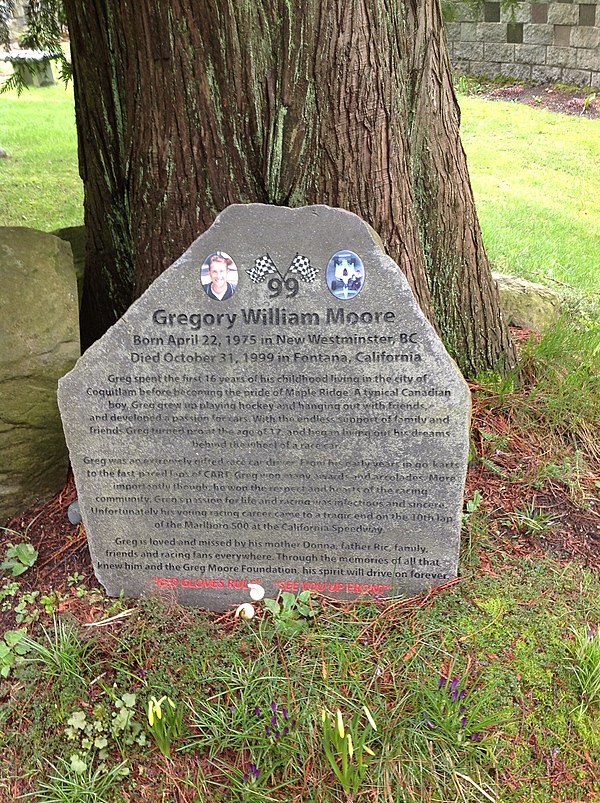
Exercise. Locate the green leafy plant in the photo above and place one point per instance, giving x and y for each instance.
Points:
(589, 99)
(455, 717)
(472, 505)
(584, 657)
(164, 722)
(12, 650)
(19, 558)
(345, 746)
(74, 782)
(290, 613)
(94, 732)
(475, 522)
(249, 728)
(530, 519)
(75, 582)
(8, 592)
(26, 607)
(62, 652)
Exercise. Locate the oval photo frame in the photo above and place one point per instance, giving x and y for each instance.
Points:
(345, 274)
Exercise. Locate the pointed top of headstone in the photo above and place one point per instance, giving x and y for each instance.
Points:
(275, 409)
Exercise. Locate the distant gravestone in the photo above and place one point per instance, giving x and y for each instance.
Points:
(274, 409)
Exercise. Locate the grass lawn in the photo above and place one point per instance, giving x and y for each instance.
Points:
(535, 174)
(39, 182)
(536, 179)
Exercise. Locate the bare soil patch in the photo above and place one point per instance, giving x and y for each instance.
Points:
(580, 102)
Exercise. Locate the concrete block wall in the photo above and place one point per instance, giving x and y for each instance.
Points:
(542, 41)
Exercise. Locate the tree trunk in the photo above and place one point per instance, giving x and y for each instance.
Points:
(186, 106)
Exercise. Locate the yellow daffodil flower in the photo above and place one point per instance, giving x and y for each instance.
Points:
(340, 724)
(370, 717)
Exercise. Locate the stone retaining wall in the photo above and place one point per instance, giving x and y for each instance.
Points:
(544, 42)
(17, 22)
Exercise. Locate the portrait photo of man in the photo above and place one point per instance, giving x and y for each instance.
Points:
(219, 276)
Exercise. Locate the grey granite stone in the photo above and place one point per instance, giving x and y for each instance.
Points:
(522, 72)
(563, 14)
(468, 32)
(588, 58)
(75, 236)
(309, 431)
(486, 68)
(561, 56)
(538, 34)
(39, 342)
(469, 50)
(530, 54)
(453, 30)
(527, 304)
(498, 53)
(586, 37)
(545, 74)
(491, 32)
(73, 513)
(577, 77)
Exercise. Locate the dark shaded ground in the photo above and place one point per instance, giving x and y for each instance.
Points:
(581, 102)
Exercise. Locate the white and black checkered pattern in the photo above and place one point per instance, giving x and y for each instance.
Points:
(262, 266)
(301, 265)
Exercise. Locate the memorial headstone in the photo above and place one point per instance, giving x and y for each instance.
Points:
(274, 409)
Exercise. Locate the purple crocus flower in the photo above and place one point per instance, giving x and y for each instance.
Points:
(453, 684)
(273, 706)
(273, 721)
(463, 722)
(257, 710)
(284, 711)
(442, 682)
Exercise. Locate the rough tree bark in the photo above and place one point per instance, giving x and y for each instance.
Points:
(186, 106)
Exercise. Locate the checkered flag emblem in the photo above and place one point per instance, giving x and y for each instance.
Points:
(262, 266)
(301, 265)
